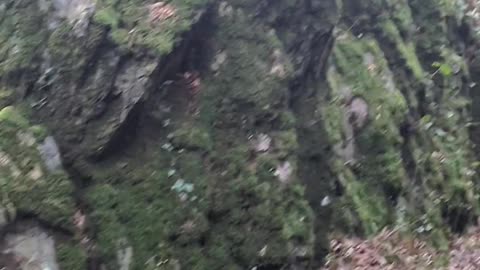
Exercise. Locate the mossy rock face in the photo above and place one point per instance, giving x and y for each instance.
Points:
(360, 70)
(192, 137)
(25, 21)
(27, 185)
(160, 106)
(73, 56)
(71, 256)
(139, 24)
(168, 214)
(413, 158)
(201, 190)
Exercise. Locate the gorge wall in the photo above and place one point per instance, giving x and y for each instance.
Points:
(204, 134)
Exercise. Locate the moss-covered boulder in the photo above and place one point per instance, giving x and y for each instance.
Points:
(28, 188)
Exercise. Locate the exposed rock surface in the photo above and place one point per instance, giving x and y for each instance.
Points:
(50, 154)
(32, 249)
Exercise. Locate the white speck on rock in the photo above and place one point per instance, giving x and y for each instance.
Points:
(36, 173)
(224, 9)
(263, 251)
(26, 138)
(220, 58)
(262, 143)
(171, 172)
(279, 64)
(326, 201)
(284, 172)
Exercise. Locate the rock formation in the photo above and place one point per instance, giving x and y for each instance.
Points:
(236, 134)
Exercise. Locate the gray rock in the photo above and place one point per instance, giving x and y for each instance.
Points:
(50, 154)
(71, 9)
(124, 255)
(358, 111)
(34, 247)
(77, 12)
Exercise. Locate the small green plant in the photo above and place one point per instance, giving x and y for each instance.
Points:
(443, 68)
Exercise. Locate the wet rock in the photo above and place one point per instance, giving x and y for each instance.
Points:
(33, 248)
(124, 255)
(50, 154)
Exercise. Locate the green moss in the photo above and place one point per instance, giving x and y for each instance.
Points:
(206, 194)
(26, 24)
(148, 215)
(40, 132)
(153, 221)
(406, 49)
(107, 16)
(285, 143)
(14, 117)
(361, 69)
(6, 97)
(129, 23)
(440, 148)
(368, 80)
(333, 118)
(429, 16)
(286, 120)
(25, 182)
(402, 16)
(295, 221)
(110, 231)
(71, 257)
(372, 210)
(192, 137)
(247, 83)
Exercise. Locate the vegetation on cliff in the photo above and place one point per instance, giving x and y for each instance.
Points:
(209, 134)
